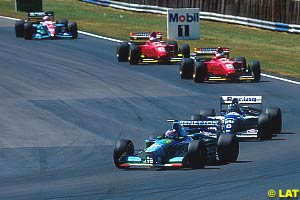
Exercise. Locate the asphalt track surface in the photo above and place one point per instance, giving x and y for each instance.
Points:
(64, 103)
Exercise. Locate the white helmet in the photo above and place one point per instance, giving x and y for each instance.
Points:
(46, 18)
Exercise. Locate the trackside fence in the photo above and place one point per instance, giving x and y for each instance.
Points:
(275, 26)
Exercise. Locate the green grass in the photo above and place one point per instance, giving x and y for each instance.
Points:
(276, 51)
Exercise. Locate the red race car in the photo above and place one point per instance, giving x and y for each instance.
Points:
(150, 49)
(220, 67)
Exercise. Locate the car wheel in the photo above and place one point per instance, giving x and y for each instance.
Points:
(196, 117)
(19, 28)
(122, 52)
(28, 31)
(241, 59)
(123, 147)
(228, 148)
(276, 119)
(72, 26)
(256, 70)
(264, 131)
(134, 54)
(199, 72)
(196, 156)
(175, 44)
(185, 50)
(186, 68)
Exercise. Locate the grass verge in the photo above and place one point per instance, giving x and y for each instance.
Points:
(275, 50)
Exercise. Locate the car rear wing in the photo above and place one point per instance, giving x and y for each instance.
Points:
(242, 100)
(145, 35)
(36, 17)
(210, 51)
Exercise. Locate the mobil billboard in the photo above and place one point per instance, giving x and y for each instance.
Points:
(183, 24)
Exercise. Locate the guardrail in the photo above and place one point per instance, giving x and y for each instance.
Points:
(274, 26)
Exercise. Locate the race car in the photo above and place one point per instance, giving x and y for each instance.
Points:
(243, 116)
(41, 25)
(194, 144)
(201, 68)
(148, 47)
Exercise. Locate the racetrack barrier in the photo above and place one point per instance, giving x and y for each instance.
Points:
(274, 26)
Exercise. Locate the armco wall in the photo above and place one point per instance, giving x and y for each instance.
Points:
(284, 11)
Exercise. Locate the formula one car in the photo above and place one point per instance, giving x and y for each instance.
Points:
(150, 49)
(193, 144)
(41, 25)
(218, 68)
(243, 119)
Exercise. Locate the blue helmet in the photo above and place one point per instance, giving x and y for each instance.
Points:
(171, 134)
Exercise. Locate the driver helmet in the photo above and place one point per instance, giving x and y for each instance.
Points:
(171, 134)
(220, 53)
(153, 39)
(46, 18)
(233, 108)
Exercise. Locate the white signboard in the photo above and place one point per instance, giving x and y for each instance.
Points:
(183, 24)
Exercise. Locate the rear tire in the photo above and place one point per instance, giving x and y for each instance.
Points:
(134, 54)
(264, 129)
(175, 44)
(276, 119)
(123, 147)
(122, 52)
(196, 117)
(186, 68)
(228, 148)
(196, 157)
(256, 70)
(207, 112)
(199, 72)
(72, 26)
(28, 31)
(19, 28)
(241, 59)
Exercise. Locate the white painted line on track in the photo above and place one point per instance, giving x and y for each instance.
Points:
(115, 40)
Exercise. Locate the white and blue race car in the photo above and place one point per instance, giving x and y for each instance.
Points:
(243, 116)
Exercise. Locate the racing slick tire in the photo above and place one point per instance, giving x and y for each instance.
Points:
(72, 26)
(19, 28)
(256, 70)
(28, 31)
(122, 147)
(175, 44)
(208, 112)
(196, 157)
(134, 54)
(241, 59)
(196, 117)
(199, 72)
(228, 148)
(276, 119)
(186, 68)
(264, 128)
(185, 50)
(122, 52)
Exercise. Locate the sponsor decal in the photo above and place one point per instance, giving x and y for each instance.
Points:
(241, 99)
(188, 17)
(199, 123)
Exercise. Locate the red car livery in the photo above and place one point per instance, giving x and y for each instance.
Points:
(216, 68)
(151, 50)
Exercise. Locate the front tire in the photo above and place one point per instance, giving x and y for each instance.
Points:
(72, 26)
(228, 148)
(264, 129)
(123, 147)
(28, 31)
(196, 157)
